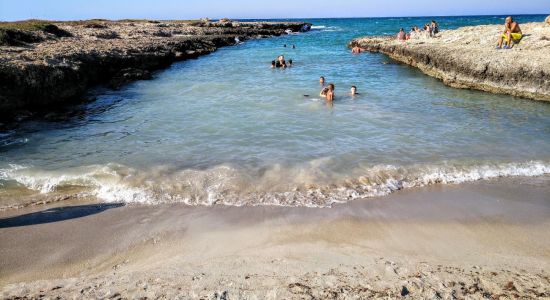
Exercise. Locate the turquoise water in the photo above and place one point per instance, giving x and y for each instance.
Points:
(225, 128)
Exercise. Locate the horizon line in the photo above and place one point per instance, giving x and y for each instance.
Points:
(282, 18)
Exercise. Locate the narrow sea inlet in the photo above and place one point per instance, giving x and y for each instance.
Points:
(227, 129)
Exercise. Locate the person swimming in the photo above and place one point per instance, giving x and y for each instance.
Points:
(290, 62)
(512, 34)
(328, 92)
(353, 91)
(280, 62)
(273, 64)
(322, 80)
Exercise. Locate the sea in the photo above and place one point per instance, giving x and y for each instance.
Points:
(226, 129)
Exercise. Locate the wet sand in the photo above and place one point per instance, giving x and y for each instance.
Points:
(485, 239)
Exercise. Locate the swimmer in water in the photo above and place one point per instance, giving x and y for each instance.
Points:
(322, 80)
(328, 92)
(290, 63)
(273, 64)
(353, 91)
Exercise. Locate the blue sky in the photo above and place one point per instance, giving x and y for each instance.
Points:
(193, 9)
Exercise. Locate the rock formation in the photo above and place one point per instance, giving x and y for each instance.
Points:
(467, 58)
(44, 68)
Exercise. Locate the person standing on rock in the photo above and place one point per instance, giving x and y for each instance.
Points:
(402, 36)
(512, 34)
(434, 28)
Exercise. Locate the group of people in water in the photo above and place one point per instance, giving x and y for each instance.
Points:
(280, 62)
(327, 91)
(512, 34)
(430, 29)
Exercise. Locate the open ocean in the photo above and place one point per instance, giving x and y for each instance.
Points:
(227, 129)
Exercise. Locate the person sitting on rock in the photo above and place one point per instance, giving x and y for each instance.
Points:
(512, 34)
(402, 36)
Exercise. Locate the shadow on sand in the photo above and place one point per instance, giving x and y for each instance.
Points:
(56, 215)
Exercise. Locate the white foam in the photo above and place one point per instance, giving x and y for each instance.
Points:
(305, 186)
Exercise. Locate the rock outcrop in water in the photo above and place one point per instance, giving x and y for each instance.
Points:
(58, 63)
(467, 58)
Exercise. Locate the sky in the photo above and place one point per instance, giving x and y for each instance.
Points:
(11, 10)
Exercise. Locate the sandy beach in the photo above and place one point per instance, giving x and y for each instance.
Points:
(488, 239)
(225, 177)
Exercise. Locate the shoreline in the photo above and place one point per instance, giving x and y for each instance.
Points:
(470, 240)
(51, 188)
(466, 58)
(55, 63)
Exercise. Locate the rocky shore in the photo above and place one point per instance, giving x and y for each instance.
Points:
(44, 64)
(467, 58)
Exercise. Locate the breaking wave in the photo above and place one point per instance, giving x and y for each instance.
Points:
(325, 28)
(307, 185)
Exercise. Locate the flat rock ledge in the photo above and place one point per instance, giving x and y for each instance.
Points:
(42, 70)
(467, 58)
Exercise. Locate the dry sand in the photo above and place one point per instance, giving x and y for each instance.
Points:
(481, 240)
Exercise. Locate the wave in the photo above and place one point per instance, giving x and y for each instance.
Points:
(325, 28)
(308, 185)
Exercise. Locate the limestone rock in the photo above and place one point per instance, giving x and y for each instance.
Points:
(467, 58)
(42, 69)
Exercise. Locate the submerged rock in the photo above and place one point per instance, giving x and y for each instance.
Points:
(467, 58)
